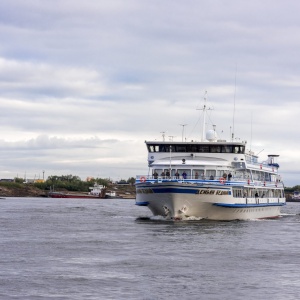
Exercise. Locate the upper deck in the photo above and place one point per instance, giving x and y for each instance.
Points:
(218, 155)
(195, 147)
(210, 157)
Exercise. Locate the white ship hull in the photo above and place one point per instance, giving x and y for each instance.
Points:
(177, 201)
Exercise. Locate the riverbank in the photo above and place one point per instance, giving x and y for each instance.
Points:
(21, 191)
(27, 190)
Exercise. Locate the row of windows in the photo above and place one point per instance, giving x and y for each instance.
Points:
(215, 174)
(197, 148)
(251, 193)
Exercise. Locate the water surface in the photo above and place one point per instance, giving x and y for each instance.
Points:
(111, 249)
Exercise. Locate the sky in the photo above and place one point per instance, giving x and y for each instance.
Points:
(83, 84)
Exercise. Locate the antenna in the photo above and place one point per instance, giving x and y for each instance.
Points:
(163, 135)
(260, 152)
(233, 117)
(182, 130)
(251, 133)
(204, 116)
(170, 159)
(171, 137)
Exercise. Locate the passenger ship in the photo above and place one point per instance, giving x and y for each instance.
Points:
(212, 179)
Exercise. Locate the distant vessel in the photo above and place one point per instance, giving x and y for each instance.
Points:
(295, 197)
(97, 191)
(212, 179)
(111, 194)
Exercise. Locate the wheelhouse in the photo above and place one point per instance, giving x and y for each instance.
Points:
(216, 147)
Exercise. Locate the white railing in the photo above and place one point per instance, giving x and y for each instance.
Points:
(217, 181)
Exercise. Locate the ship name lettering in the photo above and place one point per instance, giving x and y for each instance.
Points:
(222, 193)
(206, 192)
(212, 192)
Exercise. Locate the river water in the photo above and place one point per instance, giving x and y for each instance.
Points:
(111, 249)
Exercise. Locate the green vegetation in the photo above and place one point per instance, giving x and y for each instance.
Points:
(70, 183)
(67, 182)
(131, 181)
(292, 189)
(74, 183)
(10, 184)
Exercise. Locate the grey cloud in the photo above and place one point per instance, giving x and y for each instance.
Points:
(125, 71)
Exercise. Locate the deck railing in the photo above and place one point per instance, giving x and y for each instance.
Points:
(215, 181)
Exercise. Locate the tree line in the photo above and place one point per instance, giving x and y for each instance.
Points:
(73, 183)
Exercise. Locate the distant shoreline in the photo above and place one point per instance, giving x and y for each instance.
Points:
(124, 191)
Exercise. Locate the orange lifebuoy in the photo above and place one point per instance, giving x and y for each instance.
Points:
(142, 179)
(222, 180)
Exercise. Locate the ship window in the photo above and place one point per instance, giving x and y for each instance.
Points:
(167, 148)
(153, 148)
(162, 148)
(226, 149)
(157, 172)
(239, 149)
(215, 149)
(193, 148)
(180, 148)
(198, 173)
(220, 173)
(237, 193)
(210, 174)
(187, 171)
(268, 178)
(203, 148)
(240, 175)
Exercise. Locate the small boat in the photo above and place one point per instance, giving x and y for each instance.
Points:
(111, 194)
(295, 197)
(212, 179)
(97, 191)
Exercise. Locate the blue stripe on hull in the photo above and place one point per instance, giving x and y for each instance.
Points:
(142, 203)
(239, 205)
(175, 190)
(180, 189)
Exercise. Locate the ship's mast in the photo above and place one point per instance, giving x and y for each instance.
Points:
(182, 130)
(204, 108)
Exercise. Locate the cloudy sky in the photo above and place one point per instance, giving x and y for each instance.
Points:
(84, 83)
